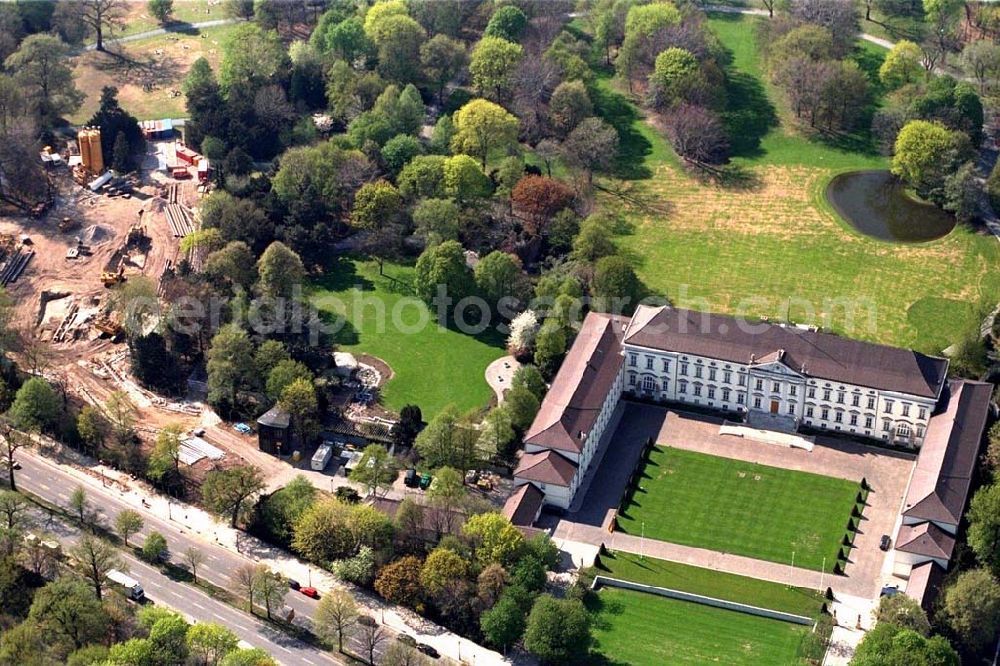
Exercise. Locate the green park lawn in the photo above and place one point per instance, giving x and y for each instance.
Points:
(738, 507)
(639, 628)
(763, 241)
(709, 583)
(432, 366)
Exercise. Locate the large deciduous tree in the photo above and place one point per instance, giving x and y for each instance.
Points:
(925, 154)
(102, 16)
(481, 127)
(558, 630)
(41, 67)
(492, 66)
(229, 492)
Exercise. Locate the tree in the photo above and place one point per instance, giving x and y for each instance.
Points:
(209, 643)
(984, 525)
(271, 588)
(299, 400)
(91, 426)
(593, 241)
(496, 540)
(925, 153)
(68, 612)
(121, 415)
(280, 270)
(903, 611)
(13, 508)
(127, 523)
(252, 58)
(422, 177)
(398, 39)
(523, 329)
(371, 634)
(507, 22)
(981, 61)
(437, 220)
(569, 105)
(840, 18)
(101, 15)
(161, 9)
(321, 534)
(336, 615)
(376, 470)
(284, 374)
(902, 65)
(399, 581)
(972, 608)
(376, 204)
(498, 275)
(891, 644)
(492, 66)
(398, 151)
(447, 441)
(359, 570)
(536, 200)
(504, 623)
(193, 558)
(10, 442)
(121, 138)
(697, 134)
(168, 637)
(558, 630)
(228, 491)
(522, 406)
(481, 127)
(166, 455)
(442, 267)
(616, 285)
(447, 494)
(244, 579)
(550, 346)
(442, 58)
(464, 179)
(36, 406)
(79, 504)
(248, 657)
(96, 557)
(497, 436)
(442, 569)
(230, 364)
(675, 74)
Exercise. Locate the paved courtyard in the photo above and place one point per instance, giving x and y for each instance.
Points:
(887, 473)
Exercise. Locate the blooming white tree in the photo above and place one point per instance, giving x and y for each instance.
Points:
(523, 329)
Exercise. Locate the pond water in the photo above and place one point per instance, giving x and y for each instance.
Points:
(876, 204)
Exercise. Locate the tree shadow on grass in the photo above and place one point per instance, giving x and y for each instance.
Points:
(633, 147)
(749, 115)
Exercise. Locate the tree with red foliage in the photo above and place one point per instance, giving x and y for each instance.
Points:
(697, 134)
(537, 199)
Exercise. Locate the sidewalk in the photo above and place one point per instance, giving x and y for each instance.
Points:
(194, 521)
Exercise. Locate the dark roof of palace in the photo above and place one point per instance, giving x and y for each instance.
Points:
(806, 351)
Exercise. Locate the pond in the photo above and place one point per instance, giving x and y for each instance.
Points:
(876, 204)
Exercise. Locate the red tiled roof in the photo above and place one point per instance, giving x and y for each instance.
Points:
(925, 539)
(943, 474)
(924, 582)
(522, 507)
(812, 353)
(581, 386)
(546, 467)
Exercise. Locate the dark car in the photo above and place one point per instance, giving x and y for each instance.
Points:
(410, 479)
(425, 481)
(407, 639)
(428, 650)
(366, 620)
(310, 592)
(293, 584)
(885, 542)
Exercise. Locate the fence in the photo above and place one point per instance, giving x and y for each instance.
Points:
(699, 599)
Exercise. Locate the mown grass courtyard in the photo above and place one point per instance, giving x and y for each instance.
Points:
(433, 366)
(737, 507)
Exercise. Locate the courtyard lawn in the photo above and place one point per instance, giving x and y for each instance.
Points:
(738, 507)
(432, 366)
(638, 628)
(709, 583)
(765, 242)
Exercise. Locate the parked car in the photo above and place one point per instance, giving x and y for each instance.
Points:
(407, 639)
(293, 584)
(310, 592)
(889, 590)
(366, 620)
(428, 650)
(885, 542)
(16, 465)
(410, 478)
(425, 481)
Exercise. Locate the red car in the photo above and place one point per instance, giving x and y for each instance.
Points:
(310, 592)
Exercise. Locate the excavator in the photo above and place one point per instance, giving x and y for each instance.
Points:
(110, 279)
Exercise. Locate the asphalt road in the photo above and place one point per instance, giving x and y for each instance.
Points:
(48, 481)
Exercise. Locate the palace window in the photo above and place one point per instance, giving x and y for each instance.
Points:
(809, 411)
(840, 397)
(923, 413)
(648, 384)
(886, 425)
(888, 406)
(793, 390)
(711, 393)
(854, 419)
(838, 416)
(743, 380)
(856, 400)
(791, 408)
(869, 422)
(906, 409)
(666, 385)
(871, 402)
(825, 414)
(711, 374)
(812, 392)
(920, 431)
(725, 395)
(775, 387)
(826, 394)
(756, 402)
(759, 385)
(903, 431)
(697, 390)
(697, 372)
(739, 398)
(682, 386)
(633, 359)
(666, 365)
(684, 369)
(631, 379)
(727, 377)
(649, 362)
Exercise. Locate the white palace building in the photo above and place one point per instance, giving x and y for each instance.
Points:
(774, 376)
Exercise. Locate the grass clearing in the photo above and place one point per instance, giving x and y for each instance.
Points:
(639, 628)
(432, 366)
(767, 243)
(709, 583)
(732, 506)
(147, 73)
